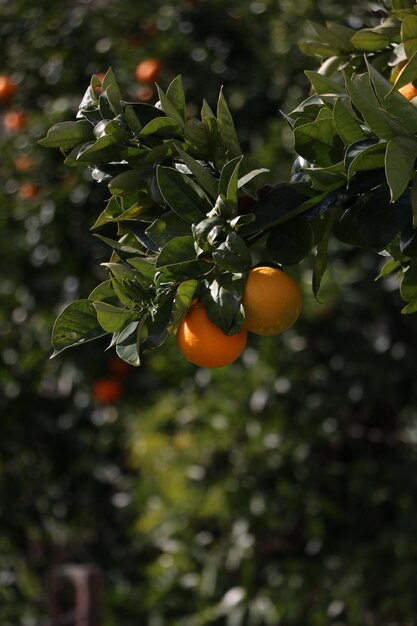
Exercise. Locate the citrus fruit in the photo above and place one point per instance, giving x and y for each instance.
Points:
(148, 70)
(271, 301)
(107, 390)
(204, 344)
(408, 91)
(27, 191)
(14, 121)
(7, 87)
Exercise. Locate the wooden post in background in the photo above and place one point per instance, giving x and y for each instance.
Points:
(74, 595)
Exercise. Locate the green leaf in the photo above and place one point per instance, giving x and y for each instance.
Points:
(157, 323)
(112, 318)
(182, 302)
(324, 85)
(228, 185)
(177, 251)
(66, 135)
(167, 227)
(145, 266)
(282, 203)
(407, 75)
(112, 211)
(409, 35)
(104, 150)
(182, 194)
(112, 90)
(364, 99)
(320, 260)
(315, 48)
(233, 255)
(103, 291)
(175, 94)
(170, 108)
(161, 126)
(145, 113)
(375, 221)
(368, 154)
(414, 200)
(247, 178)
(319, 143)
(208, 233)
(223, 302)
(227, 127)
(202, 174)
(76, 324)
(127, 345)
(128, 183)
(408, 289)
(290, 242)
(397, 106)
(346, 123)
(390, 266)
(330, 36)
(410, 308)
(198, 138)
(400, 164)
(370, 40)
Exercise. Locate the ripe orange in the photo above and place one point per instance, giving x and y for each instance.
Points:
(408, 91)
(7, 88)
(204, 344)
(23, 163)
(271, 300)
(14, 121)
(148, 70)
(27, 191)
(107, 390)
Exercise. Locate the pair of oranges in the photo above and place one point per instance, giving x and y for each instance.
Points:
(272, 303)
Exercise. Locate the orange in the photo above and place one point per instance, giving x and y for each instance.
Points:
(23, 163)
(7, 87)
(271, 300)
(27, 191)
(148, 70)
(107, 390)
(14, 121)
(408, 91)
(204, 344)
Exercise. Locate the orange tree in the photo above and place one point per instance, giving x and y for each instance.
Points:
(193, 214)
(61, 444)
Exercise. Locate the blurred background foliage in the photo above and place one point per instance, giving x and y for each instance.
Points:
(280, 491)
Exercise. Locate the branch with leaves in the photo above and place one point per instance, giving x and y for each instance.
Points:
(193, 214)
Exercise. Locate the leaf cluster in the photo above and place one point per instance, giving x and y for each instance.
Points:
(356, 138)
(183, 202)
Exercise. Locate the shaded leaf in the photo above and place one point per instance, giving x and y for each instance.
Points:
(76, 324)
(290, 242)
(400, 164)
(182, 302)
(167, 227)
(182, 194)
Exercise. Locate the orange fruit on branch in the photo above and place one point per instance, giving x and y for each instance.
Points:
(14, 121)
(204, 344)
(148, 70)
(107, 390)
(271, 301)
(7, 88)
